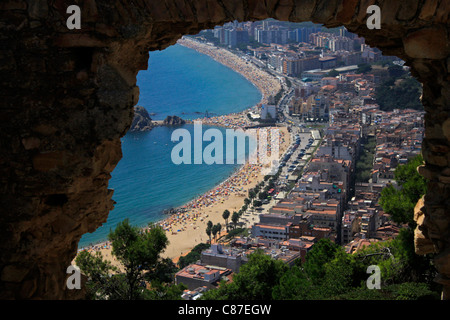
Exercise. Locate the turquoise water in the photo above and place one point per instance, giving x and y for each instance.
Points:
(180, 82)
(183, 82)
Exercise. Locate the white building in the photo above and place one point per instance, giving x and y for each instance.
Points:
(268, 111)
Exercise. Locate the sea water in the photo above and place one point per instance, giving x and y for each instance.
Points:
(182, 82)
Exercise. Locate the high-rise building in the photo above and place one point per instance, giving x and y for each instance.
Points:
(304, 33)
(219, 33)
(292, 35)
(343, 32)
(341, 44)
(262, 36)
(273, 35)
(275, 60)
(237, 37)
(294, 65)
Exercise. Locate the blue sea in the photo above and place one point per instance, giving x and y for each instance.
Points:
(182, 82)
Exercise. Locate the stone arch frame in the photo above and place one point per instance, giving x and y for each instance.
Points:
(67, 98)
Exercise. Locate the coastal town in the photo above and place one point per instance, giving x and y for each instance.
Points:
(339, 149)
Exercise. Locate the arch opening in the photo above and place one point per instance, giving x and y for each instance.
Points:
(63, 147)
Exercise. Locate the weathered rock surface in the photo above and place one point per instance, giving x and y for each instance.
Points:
(173, 121)
(141, 120)
(68, 96)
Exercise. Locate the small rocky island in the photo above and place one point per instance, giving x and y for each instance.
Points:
(173, 121)
(141, 120)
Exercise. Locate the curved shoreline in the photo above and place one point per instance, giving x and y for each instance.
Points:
(182, 242)
(187, 229)
(264, 82)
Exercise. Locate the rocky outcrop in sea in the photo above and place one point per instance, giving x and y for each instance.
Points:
(173, 121)
(141, 120)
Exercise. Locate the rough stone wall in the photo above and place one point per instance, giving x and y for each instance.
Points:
(67, 97)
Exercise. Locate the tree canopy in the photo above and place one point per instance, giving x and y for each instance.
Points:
(328, 273)
(138, 252)
(399, 93)
(400, 203)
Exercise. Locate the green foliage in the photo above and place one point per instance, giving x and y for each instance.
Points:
(164, 291)
(257, 203)
(412, 291)
(396, 203)
(258, 277)
(193, 255)
(235, 218)
(255, 280)
(288, 83)
(364, 164)
(226, 215)
(138, 251)
(402, 291)
(163, 271)
(132, 245)
(99, 284)
(402, 94)
(236, 232)
(263, 195)
(412, 183)
(328, 273)
(333, 73)
(294, 285)
(339, 274)
(321, 253)
(242, 46)
(398, 261)
(387, 256)
(400, 203)
(364, 68)
(209, 227)
(278, 96)
(418, 268)
(216, 229)
(396, 71)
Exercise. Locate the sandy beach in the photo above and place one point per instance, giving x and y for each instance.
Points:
(187, 229)
(229, 195)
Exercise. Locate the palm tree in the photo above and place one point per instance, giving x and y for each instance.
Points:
(215, 229)
(209, 230)
(226, 215)
(219, 228)
(235, 218)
